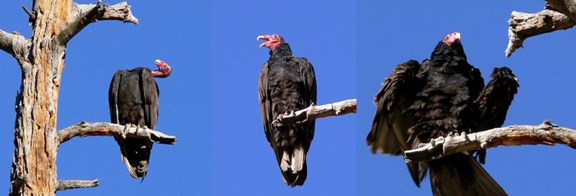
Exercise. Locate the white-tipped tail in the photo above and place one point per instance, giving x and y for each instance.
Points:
(285, 163)
(131, 170)
(297, 159)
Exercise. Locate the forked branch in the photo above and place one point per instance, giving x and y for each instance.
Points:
(84, 129)
(88, 13)
(514, 135)
(558, 14)
(316, 111)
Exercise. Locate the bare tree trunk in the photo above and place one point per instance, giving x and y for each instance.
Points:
(41, 59)
(34, 165)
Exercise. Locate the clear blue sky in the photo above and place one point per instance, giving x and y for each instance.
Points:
(391, 32)
(175, 31)
(243, 162)
(210, 101)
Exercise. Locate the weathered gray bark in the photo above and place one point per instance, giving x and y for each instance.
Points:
(41, 59)
(317, 111)
(76, 184)
(514, 135)
(84, 129)
(558, 14)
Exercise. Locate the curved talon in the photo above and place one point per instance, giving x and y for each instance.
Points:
(465, 135)
(483, 145)
(126, 129)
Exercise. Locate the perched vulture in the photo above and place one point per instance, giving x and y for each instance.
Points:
(286, 84)
(133, 100)
(444, 95)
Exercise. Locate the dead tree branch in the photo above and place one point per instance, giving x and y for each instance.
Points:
(84, 129)
(514, 135)
(13, 43)
(316, 111)
(76, 184)
(88, 13)
(558, 14)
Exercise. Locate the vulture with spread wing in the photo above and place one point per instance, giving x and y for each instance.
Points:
(133, 100)
(286, 84)
(444, 95)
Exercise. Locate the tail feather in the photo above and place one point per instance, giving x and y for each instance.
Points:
(461, 174)
(298, 159)
(417, 171)
(285, 162)
(293, 166)
(295, 179)
(135, 154)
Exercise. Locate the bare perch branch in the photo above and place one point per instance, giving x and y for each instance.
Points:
(84, 129)
(12, 43)
(75, 184)
(313, 112)
(514, 135)
(88, 13)
(558, 14)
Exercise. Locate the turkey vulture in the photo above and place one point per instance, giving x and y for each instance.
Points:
(286, 84)
(442, 96)
(133, 100)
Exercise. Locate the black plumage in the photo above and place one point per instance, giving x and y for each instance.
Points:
(133, 99)
(494, 101)
(389, 132)
(437, 98)
(287, 83)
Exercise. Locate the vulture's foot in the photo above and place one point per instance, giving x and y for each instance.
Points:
(126, 129)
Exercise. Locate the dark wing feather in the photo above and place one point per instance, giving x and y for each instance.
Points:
(494, 101)
(113, 96)
(389, 132)
(265, 102)
(389, 127)
(150, 94)
(309, 79)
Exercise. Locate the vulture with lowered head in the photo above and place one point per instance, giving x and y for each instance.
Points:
(133, 99)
